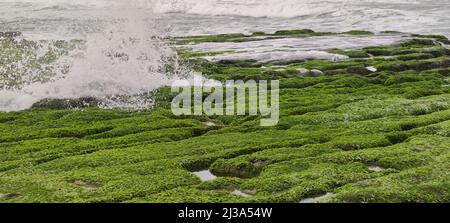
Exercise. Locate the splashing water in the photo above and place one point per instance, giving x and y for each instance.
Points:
(129, 58)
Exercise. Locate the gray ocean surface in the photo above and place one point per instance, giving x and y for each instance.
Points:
(63, 18)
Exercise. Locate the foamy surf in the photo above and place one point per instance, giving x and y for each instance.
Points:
(190, 17)
(129, 58)
(291, 49)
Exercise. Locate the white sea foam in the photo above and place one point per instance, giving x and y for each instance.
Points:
(128, 58)
(294, 44)
(291, 49)
(278, 56)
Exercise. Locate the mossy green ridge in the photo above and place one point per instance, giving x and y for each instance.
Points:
(333, 128)
(238, 37)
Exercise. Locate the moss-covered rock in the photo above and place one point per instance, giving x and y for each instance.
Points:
(234, 168)
(334, 128)
(67, 103)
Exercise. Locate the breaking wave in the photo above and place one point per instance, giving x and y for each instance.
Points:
(129, 58)
(253, 8)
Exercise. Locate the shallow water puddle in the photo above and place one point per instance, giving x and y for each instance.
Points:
(375, 168)
(205, 175)
(372, 68)
(240, 193)
(316, 199)
(209, 123)
(269, 50)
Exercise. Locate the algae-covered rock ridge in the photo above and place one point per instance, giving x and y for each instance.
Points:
(364, 117)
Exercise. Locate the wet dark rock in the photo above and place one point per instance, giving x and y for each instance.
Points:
(361, 70)
(234, 168)
(10, 196)
(10, 34)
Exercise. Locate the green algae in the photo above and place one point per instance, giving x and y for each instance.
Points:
(238, 37)
(358, 32)
(332, 129)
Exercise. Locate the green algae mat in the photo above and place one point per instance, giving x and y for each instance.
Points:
(358, 123)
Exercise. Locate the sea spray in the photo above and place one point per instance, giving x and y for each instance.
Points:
(118, 65)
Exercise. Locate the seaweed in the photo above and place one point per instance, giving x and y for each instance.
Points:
(333, 128)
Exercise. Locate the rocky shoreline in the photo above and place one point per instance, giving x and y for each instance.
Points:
(371, 128)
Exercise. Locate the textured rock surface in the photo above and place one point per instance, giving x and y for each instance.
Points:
(333, 129)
